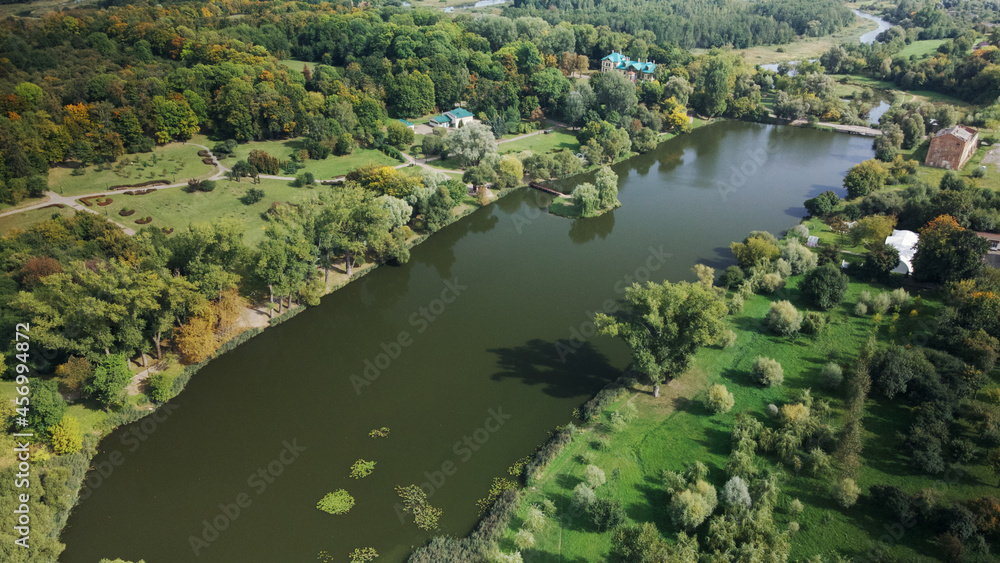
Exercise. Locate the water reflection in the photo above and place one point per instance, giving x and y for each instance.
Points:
(586, 230)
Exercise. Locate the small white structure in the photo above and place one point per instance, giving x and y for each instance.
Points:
(812, 241)
(906, 243)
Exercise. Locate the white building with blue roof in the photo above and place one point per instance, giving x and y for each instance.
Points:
(634, 70)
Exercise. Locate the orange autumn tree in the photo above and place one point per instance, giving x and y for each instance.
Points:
(948, 252)
(196, 339)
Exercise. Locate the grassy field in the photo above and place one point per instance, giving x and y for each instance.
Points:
(542, 143)
(297, 65)
(171, 163)
(907, 95)
(329, 167)
(934, 175)
(175, 208)
(921, 49)
(25, 219)
(675, 430)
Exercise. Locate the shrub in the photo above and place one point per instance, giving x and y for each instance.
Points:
(535, 520)
(769, 283)
(252, 196)
(735, 492)
(727, 338)
(337, 502)
(207, 185)
(692, 506)
(783, 318)
(795, 507)
(767, 371)
(66, 436)
(860, 309)
(583, 496)
(606, 514)
(899, 298)
(782, 267)
(831, 376)
(719, 399)
(587, 457)
(799, 232)
(814, 323)
(144, 221)
(845, 492)
(793, 527)
(160, 388)
(881, 303)
(799, 257)
(732, 277)
(125, 212)
(736, 304)
(524, 539)
(825, 286)
(594, 476)
(601, 444)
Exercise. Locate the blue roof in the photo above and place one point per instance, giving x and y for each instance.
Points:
(637, 66)
(460, 113)
(405, 122)
(615, 58)
(443, 118)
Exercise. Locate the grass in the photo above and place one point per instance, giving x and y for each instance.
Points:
(297, 65)
(676, 429)
(933, 176)
(921, 49)
(557, 140)
(175, 208)
(907, 95)
(174, 162)
(25, 219)
(329, 167)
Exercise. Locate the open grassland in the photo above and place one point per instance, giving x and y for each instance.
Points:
(176, 208)
(171, 163)
(921, 49)
(676, 430)
(329, 167)
(25, 219)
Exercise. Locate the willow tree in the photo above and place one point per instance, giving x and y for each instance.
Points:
(665, 324)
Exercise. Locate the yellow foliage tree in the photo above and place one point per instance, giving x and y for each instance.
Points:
(228, 308)
(66, 436)
(196, 340)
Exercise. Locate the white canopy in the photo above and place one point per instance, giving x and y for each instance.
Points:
(906, 243)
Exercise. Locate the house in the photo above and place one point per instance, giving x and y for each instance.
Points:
(453, 118)
(951, 148)
(409, 125)
(634, 70)
(905, 242)
(992, 257)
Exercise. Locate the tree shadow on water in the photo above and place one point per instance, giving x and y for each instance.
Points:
(564, 368)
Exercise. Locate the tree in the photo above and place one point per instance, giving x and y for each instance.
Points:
(693, 505)
(606, 183)
(111, 377)
(799, 257)
(74, 375)
(783, 318)
(66, 436)
(719, 399)
(665, 324)
(873, 229)
(586, 199)
(606, 514)
(472, 143)
(174, 118)
(845, 491)
(639, 543)
(412, 94)
(948, 252)
(768, 371)
(825, 286)
(754, 251)
(887, 144)
(398, 135)
(594, 476)
(47, 405)
(510, 172)
(735, 492)
(616, 93)
(196, 339)
(865, 178)
(880, 261)
(823, 204)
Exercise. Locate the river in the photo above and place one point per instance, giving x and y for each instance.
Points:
(477, 382)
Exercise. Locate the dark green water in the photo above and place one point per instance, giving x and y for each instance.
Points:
(481, 353)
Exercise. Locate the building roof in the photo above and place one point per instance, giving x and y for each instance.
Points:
(459, 113)
(405, 122)
(989, 236)
(615, 57)
(963, 133)
(637, 66)
(906, 243)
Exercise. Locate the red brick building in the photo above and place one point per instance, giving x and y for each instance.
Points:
(951, 148)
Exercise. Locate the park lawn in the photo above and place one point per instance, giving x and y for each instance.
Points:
(175, 208)
(922, 49)
(827, 236)
(25, 219)
(329, 167)
(171, 163)
(675, 430)
(560, 139)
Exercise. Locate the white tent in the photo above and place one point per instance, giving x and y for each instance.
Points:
(906, 243)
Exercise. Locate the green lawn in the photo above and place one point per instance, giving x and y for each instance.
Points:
(171, 163)
(329, 167)
(175, 208)
(297, 65)
(557, 140)
(25, 219)
(922, 49)
(934, 175)
(675, 430)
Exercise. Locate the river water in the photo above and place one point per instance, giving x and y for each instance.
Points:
(462, 348)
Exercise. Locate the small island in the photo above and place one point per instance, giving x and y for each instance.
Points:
(589, 200)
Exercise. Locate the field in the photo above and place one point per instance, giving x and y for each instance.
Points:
(25, 219)
(921, 49)
(329, 167)
(675, 430)
(171, 163)
(934, 175)
(175, 208)
(557, 140)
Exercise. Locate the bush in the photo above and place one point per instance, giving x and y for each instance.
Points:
(66, 436)
(736, 304)
(769, 283)
(206, 185)
(735, 492)
(252, 196)
(535, 520)
(692, 506)
(768, 372)
(606, 514)
(594, 476)
(831, 376)
(825, 286)
(881, 303)
(719, 399)
(814, 323)
(727, 338)
(782, 267)
(799, 256)
(845, 492)
(732, 277)
(783, 318)
(160, 388)
(583, 496)
(337, 502)
(860, 309)
(795, 507)
(822, 204)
